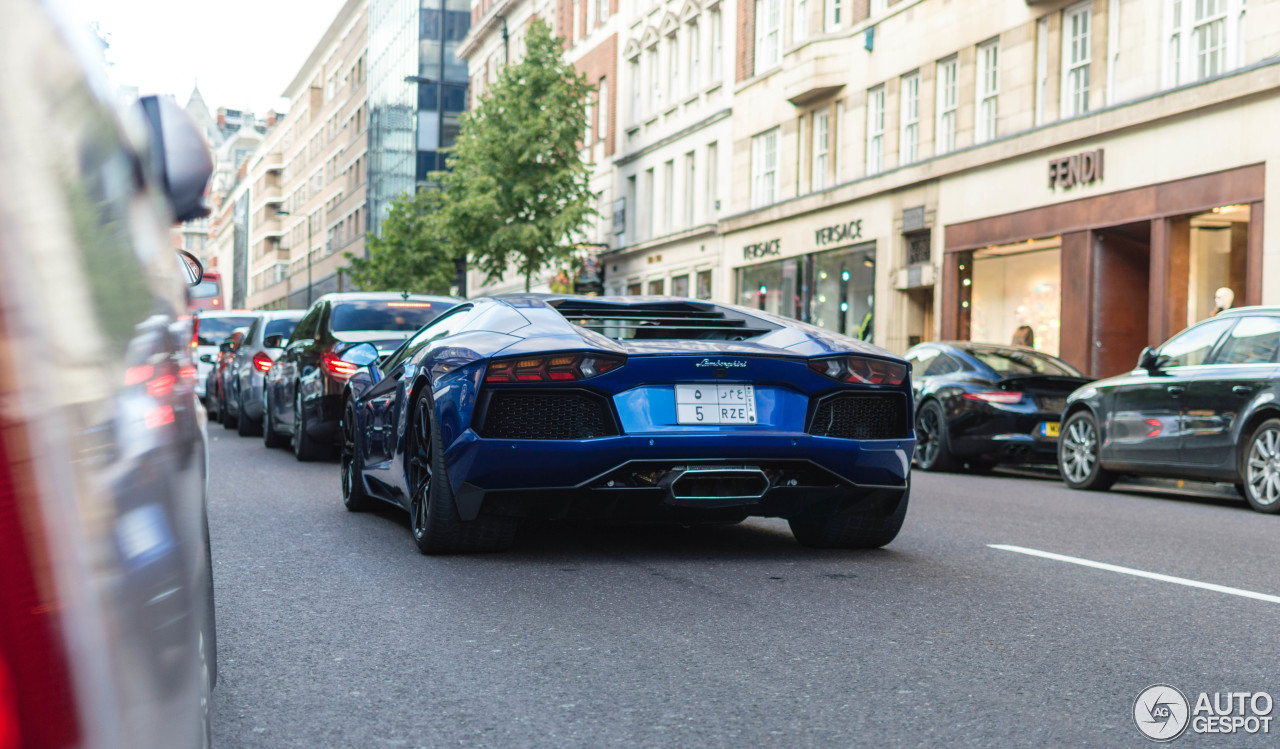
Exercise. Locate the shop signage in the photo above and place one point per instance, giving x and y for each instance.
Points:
(762, 249)
(1078, 169)
(838, 234)
(912, 219)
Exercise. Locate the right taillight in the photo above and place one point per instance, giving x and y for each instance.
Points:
(860, 369)
(262, 362)
(551, 368)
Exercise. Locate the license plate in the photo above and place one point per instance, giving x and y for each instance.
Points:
(715, 403)
(1049, 428)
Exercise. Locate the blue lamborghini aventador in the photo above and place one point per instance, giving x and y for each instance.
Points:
(645, 408)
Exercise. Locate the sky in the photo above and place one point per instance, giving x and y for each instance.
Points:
(243, 53)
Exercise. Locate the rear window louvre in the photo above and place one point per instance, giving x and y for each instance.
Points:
(663, 320)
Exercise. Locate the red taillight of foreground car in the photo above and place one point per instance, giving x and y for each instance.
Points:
(335, 367)
(552, 368)
(995, 396)
(860, 369)
(262, 362)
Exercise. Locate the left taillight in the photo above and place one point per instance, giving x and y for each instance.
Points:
(335, 367)
(995, 396)
(262, 362)
(862, 370)
(552, 368)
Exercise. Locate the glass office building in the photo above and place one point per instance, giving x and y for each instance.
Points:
(417, 89)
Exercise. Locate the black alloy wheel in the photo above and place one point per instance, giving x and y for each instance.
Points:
(1079, 454)
(304, 445)
(433, 514)
(271, 436)
(933, 449)
(1261, 467)
(354, 496)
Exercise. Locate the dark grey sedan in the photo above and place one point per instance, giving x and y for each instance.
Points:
(257, 353)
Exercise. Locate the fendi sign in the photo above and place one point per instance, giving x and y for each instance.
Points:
(1078, 169)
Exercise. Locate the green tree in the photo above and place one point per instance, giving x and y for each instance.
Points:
(517, 192)
(410, 255)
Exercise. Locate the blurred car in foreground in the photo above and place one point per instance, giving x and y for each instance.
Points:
(254, 357)
(106, 610)
(981, 404)
(1203, 406)
(627, 408)
(212, 329)
(303, 396)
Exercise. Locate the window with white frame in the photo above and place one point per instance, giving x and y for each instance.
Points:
(633, 72)
(909, 99)
(834, 15)
(586, 137)
(821, 147)
(988, 91)
(602, 109)
(764, 168)
(669, 196)
(673, 69)
(652, 85)
(1209, 37)
(591, 16)
(717, 44)
(577, 32)
(713, 178)
(1077, 36)
(948, 102)
(768, 34)
(800, 21)
(690, 186)
(1042, 69)
(1203, 38)
(695, 51)
(875, 130)
(879, 6)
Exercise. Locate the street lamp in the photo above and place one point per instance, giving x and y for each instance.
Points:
(280, 212)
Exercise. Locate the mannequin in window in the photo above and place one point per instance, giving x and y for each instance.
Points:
(1224, 298)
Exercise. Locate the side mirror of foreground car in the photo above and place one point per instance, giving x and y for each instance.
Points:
(179, 156)
(1149, 360)
(364, 355)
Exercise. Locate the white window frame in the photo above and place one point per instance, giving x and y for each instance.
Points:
(695, 56)
(768, 49)
(587, 135)
(834, 14)
(1077, 54)
(878, 7)
(673, 69)
(669, 196)
(633, 71)
(1190, 34)
(875, 130)
(909, 119)
(764, 168)
(577, 31)
(1042, 70)
(717, 45)
(652, 87)
(690, 187)
(713, 179)
(987, 103)
(821, 148)
(948, 105)
(602, 109)
(799, 21)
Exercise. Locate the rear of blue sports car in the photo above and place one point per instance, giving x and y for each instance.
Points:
(683, 411)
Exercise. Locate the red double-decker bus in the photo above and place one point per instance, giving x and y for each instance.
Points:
(208, 293)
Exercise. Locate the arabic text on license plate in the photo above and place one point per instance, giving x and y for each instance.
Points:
(1049, 429)
(715, 403)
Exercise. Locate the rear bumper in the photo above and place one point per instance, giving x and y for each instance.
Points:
(777, 474)
(1005, 437)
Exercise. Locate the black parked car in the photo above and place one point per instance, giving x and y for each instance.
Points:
(257, 353)
(1203, 406)
(303, 393)
(215, 398)
(983, 404)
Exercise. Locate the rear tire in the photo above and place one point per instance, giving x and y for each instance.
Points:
(1260, 468)
(1079, 454)
(933, 446)
(305, 448)
(229, 420)
(271, 436)
(354, 496)
(856, 528)
(433, 514)
(246, 427)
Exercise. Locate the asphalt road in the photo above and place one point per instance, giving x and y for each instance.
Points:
(334, 632)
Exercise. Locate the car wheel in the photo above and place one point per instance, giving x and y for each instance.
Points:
(271, 436)
(1261, 468)
(230, 419)
(933, 448)
(857, 528)
(304, 445)
(246, 427)
(354, 495)
(433, 515)
(211, 404)
(1079, 457)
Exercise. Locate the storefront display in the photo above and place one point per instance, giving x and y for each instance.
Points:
(834, 289)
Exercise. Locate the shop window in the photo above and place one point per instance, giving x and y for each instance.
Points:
(1254, 340)
(1217, 249)
(1015, 285)
(843, 298)
(704, 284)
(773, 287)
(680, 286)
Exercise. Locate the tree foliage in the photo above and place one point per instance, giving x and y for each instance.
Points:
(410, 255)
(517, 192)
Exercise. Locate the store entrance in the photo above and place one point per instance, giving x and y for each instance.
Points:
(1121, 297)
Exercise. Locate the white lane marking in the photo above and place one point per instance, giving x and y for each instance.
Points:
(1138, 573)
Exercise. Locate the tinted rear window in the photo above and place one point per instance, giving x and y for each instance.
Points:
(384, 315)
(1012, 362)
(282, 328)
(214, 329)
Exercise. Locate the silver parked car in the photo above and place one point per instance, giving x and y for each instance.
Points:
(106, 596)
(254, 357)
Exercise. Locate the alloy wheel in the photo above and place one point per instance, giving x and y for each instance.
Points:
(927, 432)
(1263, 469)
(1079, 450)
(348, 453)
(420, 467)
